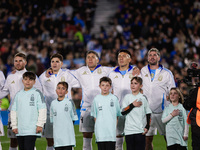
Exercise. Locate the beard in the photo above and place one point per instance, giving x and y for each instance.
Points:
(19, 68)
(153, 62)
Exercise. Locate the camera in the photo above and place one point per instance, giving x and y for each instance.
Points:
(193, 74)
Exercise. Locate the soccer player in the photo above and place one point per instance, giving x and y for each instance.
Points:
(157, 82)
(137, 112)
(28, 113)
(105, 110)
(121, 77)
(89, 77)
(12, 85)
(49, 88)
(62, 115)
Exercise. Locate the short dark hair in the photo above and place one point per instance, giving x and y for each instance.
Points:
(65, 84)
(20, 55)
(93, 52)
(125, 51)
(138, 79)
(105, 79)
(29, 75)
(57, 55)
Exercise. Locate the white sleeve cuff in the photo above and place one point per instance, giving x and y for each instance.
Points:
(42, 117)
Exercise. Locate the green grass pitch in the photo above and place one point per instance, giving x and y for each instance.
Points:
(159, 143)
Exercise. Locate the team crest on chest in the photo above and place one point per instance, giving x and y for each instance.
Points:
(32, 103)
(111, 103)
(48, 80)
(130, 76)
(180, 116)
(62, 78)
(160, 78)
(100, 108)
(55, 113)
(66, 107)
(99, 71)
(146, 75)
(13, 82)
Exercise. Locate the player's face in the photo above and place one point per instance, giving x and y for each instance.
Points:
(56, 64)
(135, 86)
(123, 59)
(92, 61)
(61, 91)
(174, 96)
(19, 63)
(28, 83)
(153, 58)
(105, 87)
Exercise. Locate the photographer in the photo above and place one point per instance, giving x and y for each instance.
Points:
(192, 103)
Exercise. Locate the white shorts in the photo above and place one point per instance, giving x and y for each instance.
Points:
(120, 126)
(156, 123)
(86, 121)
(48, 128)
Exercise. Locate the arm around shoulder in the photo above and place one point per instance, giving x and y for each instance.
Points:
(4, 91)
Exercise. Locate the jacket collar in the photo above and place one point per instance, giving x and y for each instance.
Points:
(117, 69)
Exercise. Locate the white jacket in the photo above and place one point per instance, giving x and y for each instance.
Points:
(14, 84)
(49, 85)
(89, 82)
(121, 83)
(157, 90)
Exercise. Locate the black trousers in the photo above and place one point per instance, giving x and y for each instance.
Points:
(176, 147)
(26, 142)
(64, 148)
(106, 145)
(135, 142)
(195, 137)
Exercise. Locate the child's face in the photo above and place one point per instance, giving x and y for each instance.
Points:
(105, 87)
(28, 83)
(56, 64)
(174, 96)
(135, 86)
(61, 90)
